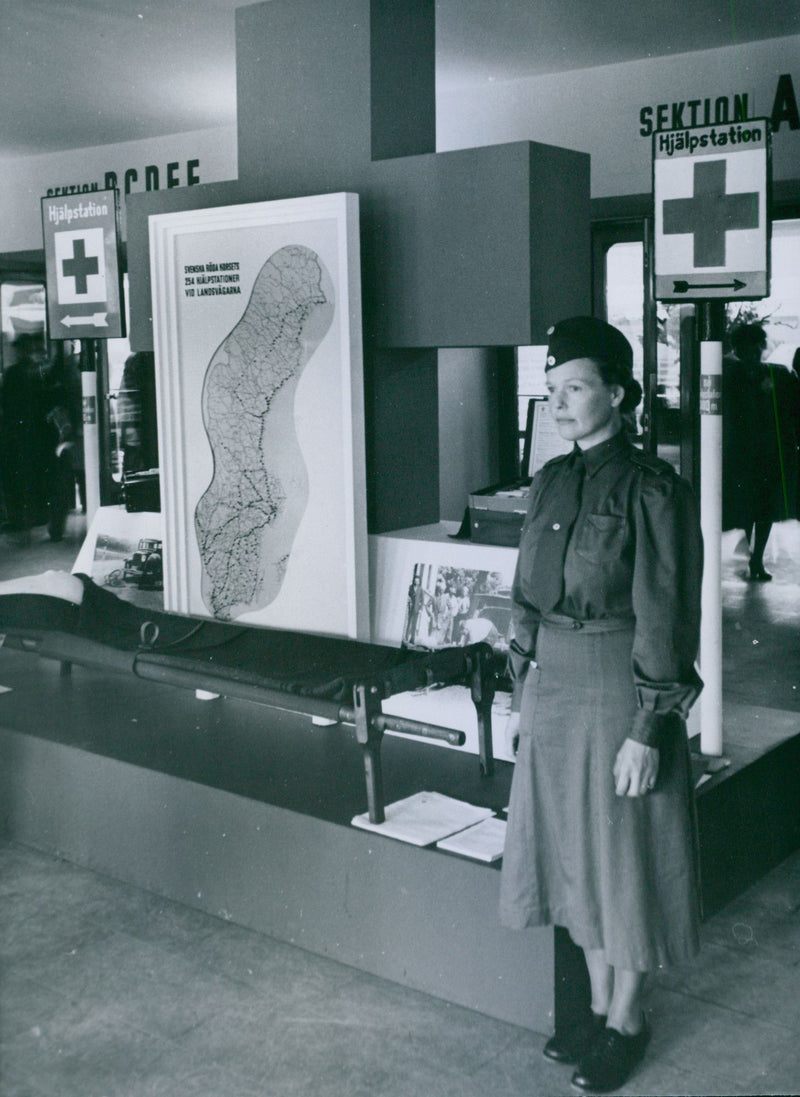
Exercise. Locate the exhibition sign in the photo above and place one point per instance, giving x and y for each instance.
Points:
(711, 218)
(257, 320)
(84, 274)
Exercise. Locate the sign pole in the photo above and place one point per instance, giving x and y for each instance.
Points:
(711, 324)
(91, 436)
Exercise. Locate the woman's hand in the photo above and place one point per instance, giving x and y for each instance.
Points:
(512, 733)
(635, 768)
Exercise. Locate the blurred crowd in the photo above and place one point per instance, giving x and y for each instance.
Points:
(41, 437)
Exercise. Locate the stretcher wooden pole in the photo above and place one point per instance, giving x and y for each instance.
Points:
(711, 322)
(365, 713)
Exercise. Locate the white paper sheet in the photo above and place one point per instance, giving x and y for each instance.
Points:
(482, 842)
(424, 818)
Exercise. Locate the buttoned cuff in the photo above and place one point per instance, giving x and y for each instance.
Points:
(659, 702)
(665, 697)
(647, 727)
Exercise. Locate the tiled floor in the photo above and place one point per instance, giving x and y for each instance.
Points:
(761, 623)
(109, 991)
(33, 552)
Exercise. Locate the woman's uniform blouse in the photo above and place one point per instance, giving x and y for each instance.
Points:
(634, 554)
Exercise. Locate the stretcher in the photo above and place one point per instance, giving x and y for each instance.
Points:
(336, 680)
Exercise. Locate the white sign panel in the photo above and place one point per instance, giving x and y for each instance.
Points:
(711, 220)
(80, 267)
(257, 318)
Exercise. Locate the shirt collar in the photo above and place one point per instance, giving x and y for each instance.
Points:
(597, 456)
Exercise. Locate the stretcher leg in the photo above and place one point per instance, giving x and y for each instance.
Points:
(367, 706)
(481, 683)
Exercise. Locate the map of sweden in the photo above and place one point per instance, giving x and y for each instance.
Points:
(248, 516)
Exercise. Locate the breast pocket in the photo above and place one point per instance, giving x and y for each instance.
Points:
(601, 537)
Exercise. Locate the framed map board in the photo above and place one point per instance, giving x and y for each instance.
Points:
(257, 320)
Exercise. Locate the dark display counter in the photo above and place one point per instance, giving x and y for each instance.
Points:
(244, 811)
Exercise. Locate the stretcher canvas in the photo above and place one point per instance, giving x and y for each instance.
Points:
(257, 317)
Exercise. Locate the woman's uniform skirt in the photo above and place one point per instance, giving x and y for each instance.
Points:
(619, 872)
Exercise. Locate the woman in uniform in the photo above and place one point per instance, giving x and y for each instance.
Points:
(606, 609)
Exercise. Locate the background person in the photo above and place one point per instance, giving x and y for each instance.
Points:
(136, 414)
(760, 412)
(606, 608)
(26, 455)
(64, 417)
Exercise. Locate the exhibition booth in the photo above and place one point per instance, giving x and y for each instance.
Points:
(300, 734)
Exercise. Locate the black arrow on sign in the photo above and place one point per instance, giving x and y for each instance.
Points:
(684, 287)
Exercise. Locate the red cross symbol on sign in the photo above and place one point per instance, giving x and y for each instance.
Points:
(80, 266)
(711, 213)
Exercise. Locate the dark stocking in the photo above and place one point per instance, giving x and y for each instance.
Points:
(762, 532)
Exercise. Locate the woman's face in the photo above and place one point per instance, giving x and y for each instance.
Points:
(584, 407)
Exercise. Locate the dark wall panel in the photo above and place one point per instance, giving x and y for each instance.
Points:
(403, 439)
(480, 247)
(403, 78)
(303, 95)
(561, 242)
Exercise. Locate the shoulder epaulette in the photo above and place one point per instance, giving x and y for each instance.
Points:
(562, 457)
(649, 463)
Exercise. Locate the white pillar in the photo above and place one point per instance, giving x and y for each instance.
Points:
(711, 522)
(91, 443)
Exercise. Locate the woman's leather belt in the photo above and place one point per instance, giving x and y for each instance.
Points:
(607, 624)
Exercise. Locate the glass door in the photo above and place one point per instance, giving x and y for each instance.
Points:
(22, 313)
(670, 420)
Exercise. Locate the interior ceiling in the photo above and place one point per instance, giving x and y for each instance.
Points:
(78, 73)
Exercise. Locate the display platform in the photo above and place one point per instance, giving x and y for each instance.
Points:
(749, 811)
(244, 812)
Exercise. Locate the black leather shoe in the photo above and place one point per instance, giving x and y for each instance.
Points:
(570, 1044)
(758, 574)
(610, 1060)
